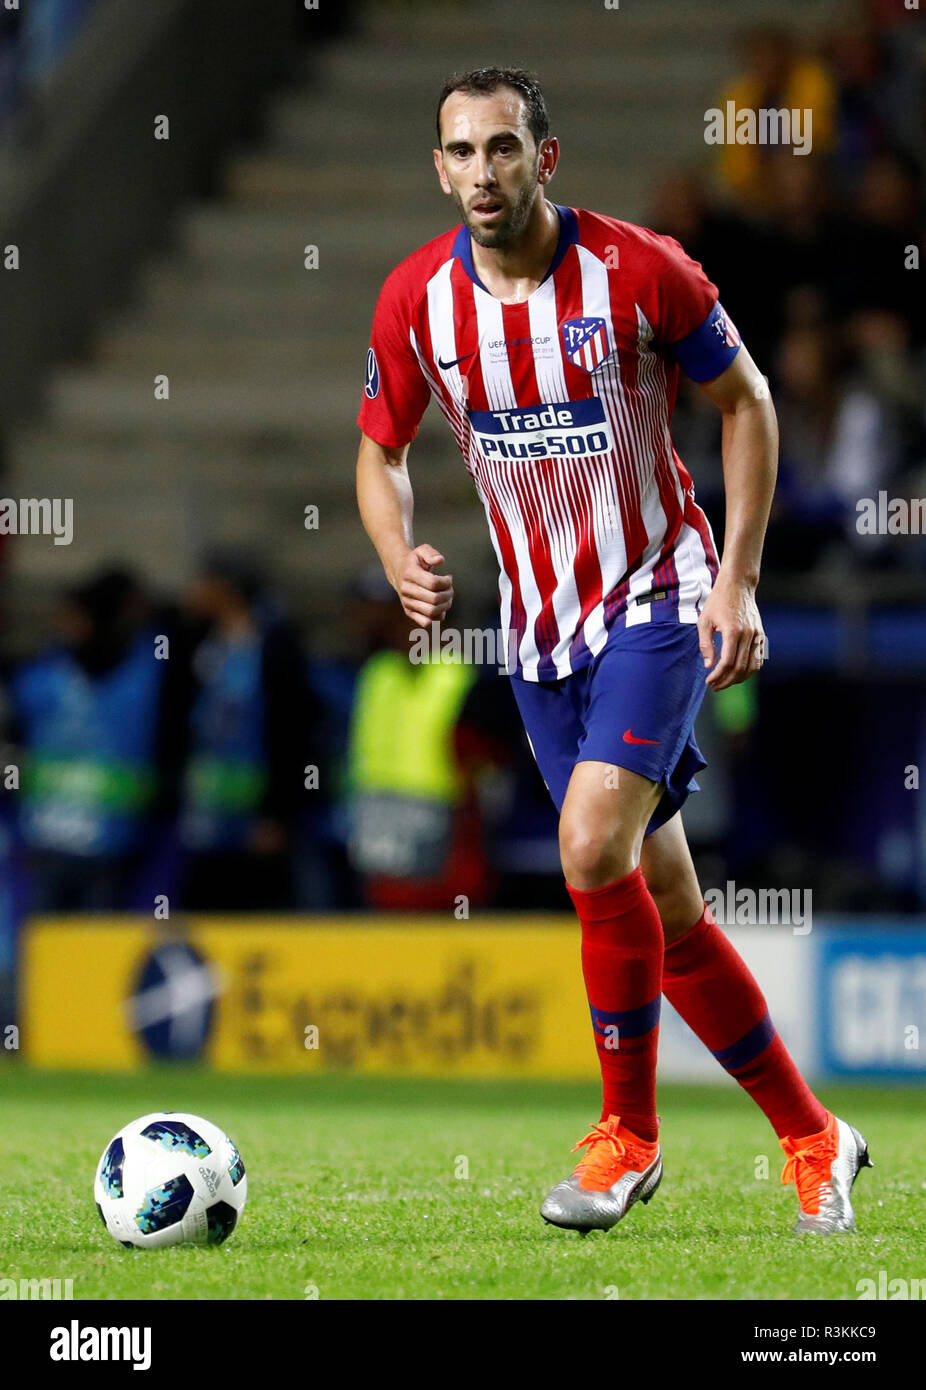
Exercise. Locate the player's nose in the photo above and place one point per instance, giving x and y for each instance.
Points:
(484, 172)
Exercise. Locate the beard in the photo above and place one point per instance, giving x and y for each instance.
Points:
(515, 216)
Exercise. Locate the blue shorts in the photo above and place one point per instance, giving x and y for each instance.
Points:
(634, 705)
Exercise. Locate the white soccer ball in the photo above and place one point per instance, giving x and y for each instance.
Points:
(170, 1178)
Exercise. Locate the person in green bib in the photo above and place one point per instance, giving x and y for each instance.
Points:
(416, 837)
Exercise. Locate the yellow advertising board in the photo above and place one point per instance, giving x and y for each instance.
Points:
(422, 997)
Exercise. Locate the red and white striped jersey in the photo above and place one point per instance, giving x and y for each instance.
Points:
(561, 407)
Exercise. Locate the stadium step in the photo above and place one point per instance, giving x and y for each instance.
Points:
(90, 463)
(244, 236)
(209, 406)
(137, 347)
(370, 74)
(299, 290)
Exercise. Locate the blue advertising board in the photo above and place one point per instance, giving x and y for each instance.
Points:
(871, 992)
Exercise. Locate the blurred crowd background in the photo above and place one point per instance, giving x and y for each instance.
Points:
(238, 725)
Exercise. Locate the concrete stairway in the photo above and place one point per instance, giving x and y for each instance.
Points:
(265, 358)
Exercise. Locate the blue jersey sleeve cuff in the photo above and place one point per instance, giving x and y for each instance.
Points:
(709, 350)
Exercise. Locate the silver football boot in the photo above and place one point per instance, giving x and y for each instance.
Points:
(617, 1171)
(823, 1173)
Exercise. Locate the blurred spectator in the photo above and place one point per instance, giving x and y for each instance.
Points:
(96, 721)
(776, 76)
(883, 74)
(880, 439)
(250, 734)
(33, 40)
(48, 31)
(729, 246)
(862, 108)
(801, 237)
(844, 419)
(416, 834)
(10, 62)
(870, 254)
(808, 513)
(325, 876)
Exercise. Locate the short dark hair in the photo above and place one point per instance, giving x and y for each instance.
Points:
(485, 81)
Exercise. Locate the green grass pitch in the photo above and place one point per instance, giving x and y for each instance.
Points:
(354, 1193)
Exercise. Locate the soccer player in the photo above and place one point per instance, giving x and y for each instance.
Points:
(551, 339)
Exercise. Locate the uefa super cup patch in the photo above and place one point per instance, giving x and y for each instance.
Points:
(371, 384)
(586, 342)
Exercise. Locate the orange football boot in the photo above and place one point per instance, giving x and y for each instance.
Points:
(617, 1170)
(823, 1168)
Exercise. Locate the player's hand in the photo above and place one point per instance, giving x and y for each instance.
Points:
(425, 597)
(731, 610)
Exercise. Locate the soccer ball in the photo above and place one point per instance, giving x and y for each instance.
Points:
(170, 1178)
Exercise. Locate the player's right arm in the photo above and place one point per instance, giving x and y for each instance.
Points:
(394, 399)
(384, 496)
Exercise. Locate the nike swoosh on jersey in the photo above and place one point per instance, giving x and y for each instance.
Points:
(629, 738)
(445, 366)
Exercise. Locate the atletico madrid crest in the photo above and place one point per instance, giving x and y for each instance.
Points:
(586, 342)
(726, 330)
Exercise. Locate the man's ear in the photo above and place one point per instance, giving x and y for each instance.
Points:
(549, 158)
(439, 166)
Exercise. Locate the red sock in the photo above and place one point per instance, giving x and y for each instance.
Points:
(707, 981)
(622, 946)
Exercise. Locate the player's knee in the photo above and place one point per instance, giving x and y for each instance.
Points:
(590, 858)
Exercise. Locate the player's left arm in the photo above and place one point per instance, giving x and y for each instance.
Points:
(750, 466)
